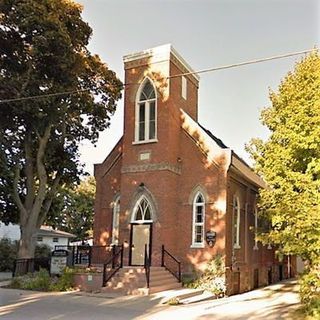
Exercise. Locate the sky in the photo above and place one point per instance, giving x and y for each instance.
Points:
(207, 33)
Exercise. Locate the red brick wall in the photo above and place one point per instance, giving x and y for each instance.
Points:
(246, 259)
(108, 177)
(196, 172)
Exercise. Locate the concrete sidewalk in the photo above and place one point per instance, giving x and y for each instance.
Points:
(270, 303)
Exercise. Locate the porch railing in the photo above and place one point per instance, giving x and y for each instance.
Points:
(172, 264)
(115, 262)
(147, 265)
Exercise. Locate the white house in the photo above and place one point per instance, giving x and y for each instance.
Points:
(46, 235)
(49, 236)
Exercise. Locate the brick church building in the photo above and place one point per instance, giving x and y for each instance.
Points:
(170, 182)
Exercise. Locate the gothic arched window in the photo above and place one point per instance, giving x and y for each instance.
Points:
(198, 220)
(236, 223)
(142, 211)
(115, 221)
(146, 113)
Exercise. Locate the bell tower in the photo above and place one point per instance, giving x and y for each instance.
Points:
(159, 83)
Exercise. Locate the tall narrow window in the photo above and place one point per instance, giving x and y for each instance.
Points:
(255, 229)
(142, 211)
(115, 221)
(184, 87)
(236, 223)
(198, 221)
(146, 114)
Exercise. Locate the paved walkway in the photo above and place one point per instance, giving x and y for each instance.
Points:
(269, 303)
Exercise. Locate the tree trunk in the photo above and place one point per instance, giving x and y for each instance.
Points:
(27, 243)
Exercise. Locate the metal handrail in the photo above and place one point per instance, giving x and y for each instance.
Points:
(114, 267)
(147, 265)
(163, 264)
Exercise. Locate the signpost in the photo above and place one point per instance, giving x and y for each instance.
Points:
(58, 261)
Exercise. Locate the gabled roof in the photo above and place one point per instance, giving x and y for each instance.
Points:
(49, 232)
(217, 152)
(217, 140)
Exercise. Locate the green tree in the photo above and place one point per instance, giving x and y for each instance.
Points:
(43, 51)
(72, 209)
(289, 161)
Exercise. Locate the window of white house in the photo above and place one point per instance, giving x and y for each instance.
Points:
(55, 239)
(184, 87)
(146, 114)
(115, 221)
(142, 211)
(39, 239)
(198, 221)
(236, 223)
(255, 229)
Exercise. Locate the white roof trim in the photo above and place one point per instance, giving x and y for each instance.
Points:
(160, 53)
(246, 171)
(214, 153)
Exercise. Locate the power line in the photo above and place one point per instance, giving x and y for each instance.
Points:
(242, 63)
(169, 77)
(40, 96)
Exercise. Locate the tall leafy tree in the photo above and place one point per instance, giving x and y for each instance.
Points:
(289, 161)
(43, 51)
(72, 209)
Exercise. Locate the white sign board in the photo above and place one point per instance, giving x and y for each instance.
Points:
(58, 264)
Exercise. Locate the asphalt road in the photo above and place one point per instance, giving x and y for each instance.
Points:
(270, 303)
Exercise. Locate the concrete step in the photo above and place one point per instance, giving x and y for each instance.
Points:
(132, 280)
(159, 282)
(126, 291)
(165, 287)
(162, 277)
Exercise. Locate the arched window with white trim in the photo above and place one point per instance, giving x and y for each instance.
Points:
(142, 211)
(115, 221)
(236, 223)
(146, 113)
(198, 220)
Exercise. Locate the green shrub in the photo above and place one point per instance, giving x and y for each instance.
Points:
(8, 253)
(42, 281)
(42, 251)
(16, 283)
(213, 278)
(64, 282)
(39, 280)
(310, 292)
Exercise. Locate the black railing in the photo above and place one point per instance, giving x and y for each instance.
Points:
(147, 265)
(24, 266)
(87, 255)
(172, 264)
(113, 264)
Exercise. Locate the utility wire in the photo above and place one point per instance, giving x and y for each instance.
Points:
(229, 66)
(169, 77)
(40, 96)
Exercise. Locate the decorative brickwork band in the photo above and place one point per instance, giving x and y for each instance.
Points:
(162, 166)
